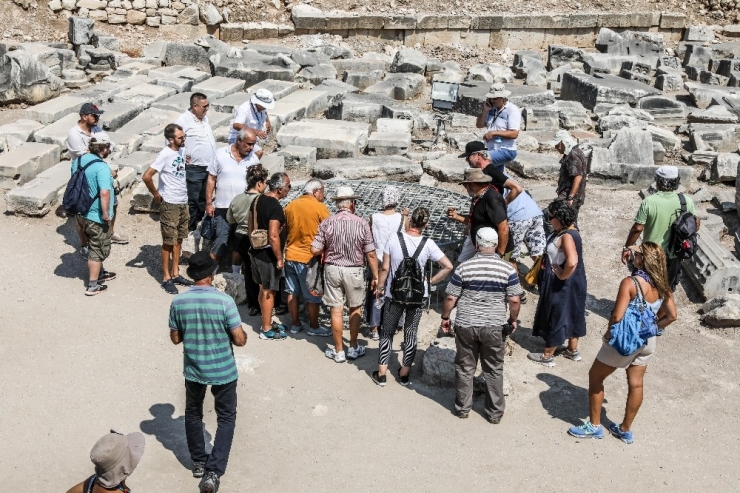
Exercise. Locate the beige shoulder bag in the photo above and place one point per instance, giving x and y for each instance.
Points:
(257, 237)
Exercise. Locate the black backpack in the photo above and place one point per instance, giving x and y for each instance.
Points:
(684, 231)
(77, 198)
(407, 287)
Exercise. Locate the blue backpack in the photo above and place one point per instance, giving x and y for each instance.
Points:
(77, 198)
(637, 326)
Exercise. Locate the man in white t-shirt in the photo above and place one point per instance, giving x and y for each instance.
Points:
(227, 175)
(502, 119)
(172, 196)
(200, 152)
(253, 114)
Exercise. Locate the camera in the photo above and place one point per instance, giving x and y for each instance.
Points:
(507, 329)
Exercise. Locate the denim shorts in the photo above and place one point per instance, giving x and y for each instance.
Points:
(295, 281)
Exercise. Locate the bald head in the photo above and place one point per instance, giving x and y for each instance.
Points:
(245, 141)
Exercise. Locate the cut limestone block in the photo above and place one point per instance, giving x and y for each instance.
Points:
(399, 86)
(394, 125)
(392, 168)
(142, 200)
(56, 133)
(149, 119)
(278, 88)
(332, 139)
(178, 102)
(180, 72)
(388, 143)
(273, 163)
(119, 114)
(125, 143)
(38, 196)
(139, 161)
(299, 158)
(724, 167)
(145, 94)
(25, 162)
(366, 108)
(297, 106)
(534, 165)
(448, 168)
(152, 144)
(602, 88)
(15, 134)
(230, 103)
(54, 109)
(713, 269)
(219, 87)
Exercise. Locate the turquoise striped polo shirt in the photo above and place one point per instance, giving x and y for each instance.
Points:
(205, 316)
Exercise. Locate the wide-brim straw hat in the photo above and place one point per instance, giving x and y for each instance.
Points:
(345, 193)
(498, 91)
(475, 175)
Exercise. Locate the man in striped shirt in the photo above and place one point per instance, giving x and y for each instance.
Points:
(208, 323)
(481, 288)
(346, 241)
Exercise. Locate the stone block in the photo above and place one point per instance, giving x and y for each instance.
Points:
(722, 311)
(25, 162)
(180, 72)
(80, 30)
(298, 105)
(307, 17)
(672, 21)
(139, 161)
(148, 120)
(273, 163)
(231, 31)
(230, 103)
(190, 55)
(490, 72)
(487, 21)
(38, 196)
(669, 83)
(389, 143)
(399, 21)
(713, 114)
(299, 159)
(144, 94)
(126, 144)
(394, 125)
(665, 110)
(332, 139)
(390, 168)
(698, 33)
(724, 167)
(54, 109)
(472, 95)
(17, 133)
(714, 137)
(448, 168)
(602, 88)
(56, 133)
(118, 114)
(408, 60)
(219, 87)
(399, 86)
(152, 144)
(537, 166)
(142, 200)
(177, 83)
(360, 65)
(731, 31)
(366, 108)
(713, 270)
(316, 74)
(559, 55)
(278, 88)
(541, 118)
(666, 138)
(178, 102)
(362, 80)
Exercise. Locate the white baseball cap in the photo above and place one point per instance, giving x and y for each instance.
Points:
(667, 172)
(100, 138)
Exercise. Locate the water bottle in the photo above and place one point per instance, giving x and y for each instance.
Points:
(497, 141)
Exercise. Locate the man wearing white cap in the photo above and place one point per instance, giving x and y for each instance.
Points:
(655, 216)
(95, 224)
(346, 241)
(502, 121)
(253, 114)
(481, 288)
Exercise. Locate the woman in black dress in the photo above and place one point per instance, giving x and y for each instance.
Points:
(561, 311)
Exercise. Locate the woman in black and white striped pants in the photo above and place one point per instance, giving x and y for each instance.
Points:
(393, 256)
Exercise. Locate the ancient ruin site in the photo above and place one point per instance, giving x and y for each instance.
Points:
(367, 95)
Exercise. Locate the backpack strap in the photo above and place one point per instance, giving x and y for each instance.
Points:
(643, 302)
(403, 245)
(83, 168)
(400, 226)
(682, 201)
(419, 248)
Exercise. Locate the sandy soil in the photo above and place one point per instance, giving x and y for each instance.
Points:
(74, 367)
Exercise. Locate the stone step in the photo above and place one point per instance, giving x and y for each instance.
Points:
(713, 269)
(139, 161)
(118, 114)
(17, 133)
(142, 200)
(56, 133)
(332, 139)
(392, 168)
(54, 109)
(297, 106)
(219, 87)
(25, 162)
(388, 143)
(179, 102)
(148, 120)
(146, 94)
(40, 195)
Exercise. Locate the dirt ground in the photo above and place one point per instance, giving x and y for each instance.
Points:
(74, 367)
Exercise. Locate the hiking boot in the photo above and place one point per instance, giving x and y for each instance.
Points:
(378, 378)
(271, 335)
(169, 287)
(182, 281)
(319, 331)
(404, 380)
(587, 430)
(118, 239)
(338, 357)
(199, 469)
(625, 436)
(106, 276)
(100, 288)
(211, 483)
(354, 353)
(540, 359)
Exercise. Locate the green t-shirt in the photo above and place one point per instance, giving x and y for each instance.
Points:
(657, 212)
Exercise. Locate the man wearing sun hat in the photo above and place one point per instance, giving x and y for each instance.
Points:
(253, 114)
(502, 120)
(655, 216)
(346, 241)
(115, 457)
(208, 323)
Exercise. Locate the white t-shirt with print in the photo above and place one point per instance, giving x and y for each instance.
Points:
(173, 185)
(231, 175)
(393, 248)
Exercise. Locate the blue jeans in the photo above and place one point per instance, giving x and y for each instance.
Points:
(501, 157)
(295, 281)
(225, 404)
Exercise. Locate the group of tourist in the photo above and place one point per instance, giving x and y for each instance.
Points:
(346, 262)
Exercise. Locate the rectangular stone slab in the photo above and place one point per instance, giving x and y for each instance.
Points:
(139, 161)
(15, 134)
(332, 139)
(25, 162)
(54, 109)
(144, 93)
(148, 119)
(56, 133)
(38, 196)
(118, 114)
(219, 87)
(603, 88)
(298, 105)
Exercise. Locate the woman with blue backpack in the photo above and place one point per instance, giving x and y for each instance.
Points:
(644, 307)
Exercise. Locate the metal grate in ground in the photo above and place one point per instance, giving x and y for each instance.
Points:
(443, 231)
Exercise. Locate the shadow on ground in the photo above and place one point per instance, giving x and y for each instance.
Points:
(149, 258)
(565, 401)
(170, 432)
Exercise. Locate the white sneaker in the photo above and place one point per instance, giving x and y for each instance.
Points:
(337, 357)
(294, 329)
(353, 353)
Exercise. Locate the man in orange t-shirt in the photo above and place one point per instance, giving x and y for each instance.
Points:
(303, 216)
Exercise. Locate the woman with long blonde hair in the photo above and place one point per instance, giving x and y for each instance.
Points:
(649, 272)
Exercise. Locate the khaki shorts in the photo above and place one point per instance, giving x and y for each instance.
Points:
(344, 285)
(98, 238)
(173, 220)
(609, 356)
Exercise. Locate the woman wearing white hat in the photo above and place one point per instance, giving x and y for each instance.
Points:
(115, 457)
(253, 114)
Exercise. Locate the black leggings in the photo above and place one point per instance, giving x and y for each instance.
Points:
(391, 315)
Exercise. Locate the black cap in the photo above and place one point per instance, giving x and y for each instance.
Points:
(90, 109)
(201, 265)
(472, 148)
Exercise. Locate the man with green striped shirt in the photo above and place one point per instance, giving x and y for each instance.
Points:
(207, 322)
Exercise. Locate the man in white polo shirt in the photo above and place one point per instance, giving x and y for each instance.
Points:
(502, 119)
(227, 175)
(172, 196)
(253, 114)
(200, 152)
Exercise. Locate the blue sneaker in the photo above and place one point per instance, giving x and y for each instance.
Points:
(272, 335)
(587, 430)
(625, 436)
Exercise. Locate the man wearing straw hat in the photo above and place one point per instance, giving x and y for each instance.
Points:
(346, 241)
(253, 114)
(502, 121)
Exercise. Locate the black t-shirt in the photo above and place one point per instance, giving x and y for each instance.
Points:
(489, 211)
(497, 177)
(268, 209)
